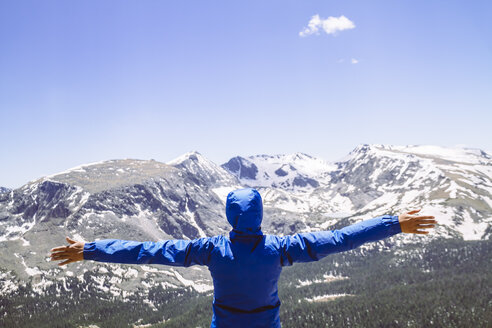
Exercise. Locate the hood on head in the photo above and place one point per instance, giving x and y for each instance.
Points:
(244, 210)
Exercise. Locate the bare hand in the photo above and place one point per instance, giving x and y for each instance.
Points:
(72, 253)
(410, 223)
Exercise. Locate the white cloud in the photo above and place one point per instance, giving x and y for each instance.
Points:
(331, 25)
(351, 61)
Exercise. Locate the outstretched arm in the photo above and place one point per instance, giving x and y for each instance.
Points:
(169, 252)
(312, 246)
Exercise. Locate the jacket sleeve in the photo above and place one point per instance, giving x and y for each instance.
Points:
(313, 246)
(168, 252)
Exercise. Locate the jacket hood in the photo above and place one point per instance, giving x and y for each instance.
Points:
(244, 211)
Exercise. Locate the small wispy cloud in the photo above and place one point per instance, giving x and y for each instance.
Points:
(330, 25)
(351, 61)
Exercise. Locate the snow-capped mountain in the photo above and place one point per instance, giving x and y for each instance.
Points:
(4, 189)
(162, 200)
(454, 184)
(127, 199)
(294, 172)
(185, 198)
(204, 171)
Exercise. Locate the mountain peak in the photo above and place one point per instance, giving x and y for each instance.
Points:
(299, 156)
(202, 168)
(242, 168)
(194, 156)
(365, 148)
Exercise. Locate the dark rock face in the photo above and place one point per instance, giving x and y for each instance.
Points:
(4, 190)
(241, 168)
(110, 201)
(281, 173)
(233, 165)
(43, 202)
(301, 181)
(167, 204)
(484, 155)
(50, 199)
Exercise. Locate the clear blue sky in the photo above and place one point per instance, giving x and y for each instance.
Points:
(84, 81)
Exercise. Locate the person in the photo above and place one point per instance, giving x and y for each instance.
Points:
(245, 267)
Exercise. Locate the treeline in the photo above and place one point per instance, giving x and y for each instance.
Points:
(447, 283)
(83, 304)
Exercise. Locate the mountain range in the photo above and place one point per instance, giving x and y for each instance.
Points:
(185, 199)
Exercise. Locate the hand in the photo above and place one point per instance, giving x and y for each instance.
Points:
(414, 224)
(71, 253)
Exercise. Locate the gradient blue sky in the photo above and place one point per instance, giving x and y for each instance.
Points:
(85, 81)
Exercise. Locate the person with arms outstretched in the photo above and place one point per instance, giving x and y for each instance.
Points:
(245, 266)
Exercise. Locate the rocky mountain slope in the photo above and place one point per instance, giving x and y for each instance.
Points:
(185, 198)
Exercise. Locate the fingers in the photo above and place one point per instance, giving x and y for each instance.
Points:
(417, 224)
(420, 229)
(64, 251)
(429, 221)
(61, 248)
(422, 219)
(64, 248)
(67, 253)
(425, 226)
(60, 256)
(427, 217)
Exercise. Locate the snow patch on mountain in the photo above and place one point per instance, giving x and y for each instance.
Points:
(463, 155)
(79, 169)
(326, 297)
(199, 287)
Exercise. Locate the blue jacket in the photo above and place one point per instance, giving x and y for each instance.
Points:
(245, 266)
